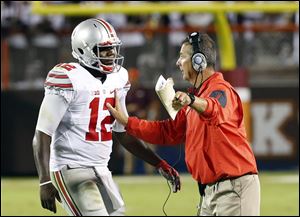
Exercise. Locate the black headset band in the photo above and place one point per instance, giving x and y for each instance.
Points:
(194, 40)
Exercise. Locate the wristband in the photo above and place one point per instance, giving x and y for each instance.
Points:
(45, 183)
(192, 97)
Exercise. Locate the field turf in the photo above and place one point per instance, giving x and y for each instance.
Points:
(145, 196)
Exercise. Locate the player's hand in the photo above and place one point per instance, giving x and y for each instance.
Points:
(48, 193)
(170, 174)
(117, 112)
(180, 100)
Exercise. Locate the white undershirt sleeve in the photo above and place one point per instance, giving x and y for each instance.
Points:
(51, 113)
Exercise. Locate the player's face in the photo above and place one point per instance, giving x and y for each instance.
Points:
(184, 62)
(107, 52)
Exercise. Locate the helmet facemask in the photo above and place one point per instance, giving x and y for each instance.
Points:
(107, 58)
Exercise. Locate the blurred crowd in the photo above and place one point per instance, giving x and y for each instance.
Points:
(16, 17)
(48, 38)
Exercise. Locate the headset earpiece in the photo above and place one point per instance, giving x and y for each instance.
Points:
(198, 62)
(198, 59)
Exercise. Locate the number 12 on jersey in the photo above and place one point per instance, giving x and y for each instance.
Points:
(93, 135)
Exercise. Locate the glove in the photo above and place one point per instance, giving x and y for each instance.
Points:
(170, 174)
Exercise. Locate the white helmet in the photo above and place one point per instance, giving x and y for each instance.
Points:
(93, 36)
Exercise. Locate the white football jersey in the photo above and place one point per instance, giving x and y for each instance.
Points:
(84, 135)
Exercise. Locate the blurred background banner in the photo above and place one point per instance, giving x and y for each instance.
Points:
(258, 52)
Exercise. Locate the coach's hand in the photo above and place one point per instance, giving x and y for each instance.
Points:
(170, 174)
(117, 112)
(180, 100)
(48, 193)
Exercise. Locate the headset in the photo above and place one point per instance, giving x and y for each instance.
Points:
(198, 59)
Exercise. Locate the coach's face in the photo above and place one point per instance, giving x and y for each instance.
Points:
(184, 63)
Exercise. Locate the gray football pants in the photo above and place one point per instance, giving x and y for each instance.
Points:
(84, 193)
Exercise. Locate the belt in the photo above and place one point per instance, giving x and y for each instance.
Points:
(202, 187)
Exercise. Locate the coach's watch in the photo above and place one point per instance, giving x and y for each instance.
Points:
(192, 97)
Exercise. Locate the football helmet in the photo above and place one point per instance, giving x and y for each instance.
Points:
(96, 45)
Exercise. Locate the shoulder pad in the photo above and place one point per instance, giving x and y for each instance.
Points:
(58, 77)
(124, 76)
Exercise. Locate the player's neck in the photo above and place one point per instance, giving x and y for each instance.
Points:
(96, 73)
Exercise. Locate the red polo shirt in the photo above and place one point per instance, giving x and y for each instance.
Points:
(216, 146)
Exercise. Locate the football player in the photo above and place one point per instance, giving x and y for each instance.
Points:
(73, 139)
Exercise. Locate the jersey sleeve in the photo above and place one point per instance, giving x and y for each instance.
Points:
(166, 132)
(59, 83)
(51, 113)
(122, 93)
(223, 104)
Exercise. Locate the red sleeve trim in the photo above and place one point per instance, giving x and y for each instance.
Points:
(58, 85)
(52, 75)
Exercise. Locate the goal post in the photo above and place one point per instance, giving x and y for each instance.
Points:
(71, 9)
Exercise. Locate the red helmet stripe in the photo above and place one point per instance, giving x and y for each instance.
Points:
(106, 29)
(107, 26)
